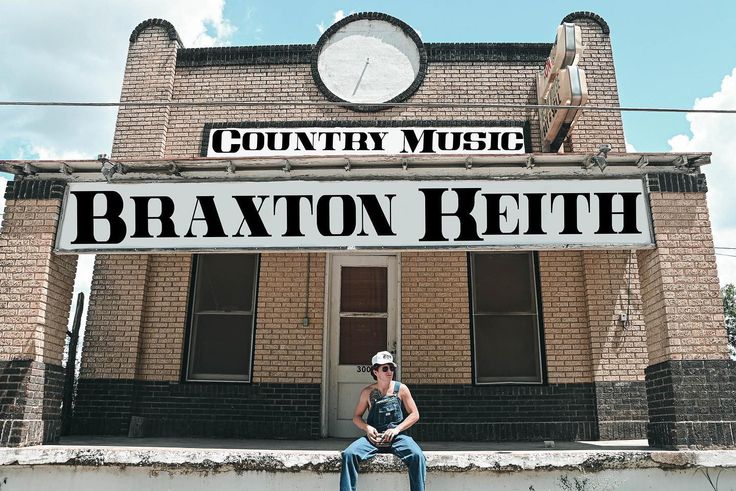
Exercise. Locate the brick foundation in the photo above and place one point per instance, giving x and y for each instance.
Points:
(213, 410)
(30, 402)
(691, 403)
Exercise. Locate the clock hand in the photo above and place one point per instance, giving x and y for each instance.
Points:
(361, 75)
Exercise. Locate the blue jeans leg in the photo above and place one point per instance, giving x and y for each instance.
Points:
(360, 449)
(405, 448)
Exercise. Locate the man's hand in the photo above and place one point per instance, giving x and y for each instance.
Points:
(372, 434)
(389, 434)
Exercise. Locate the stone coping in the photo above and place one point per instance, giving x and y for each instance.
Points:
(271, 460)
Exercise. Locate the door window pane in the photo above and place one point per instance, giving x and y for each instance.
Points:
(221, 321)
(506, 335)
(360, 339)
(363, 289)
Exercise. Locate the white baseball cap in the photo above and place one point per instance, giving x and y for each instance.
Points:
(383, 358)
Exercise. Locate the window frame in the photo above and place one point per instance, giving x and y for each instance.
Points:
(537, 292)
(186, 376)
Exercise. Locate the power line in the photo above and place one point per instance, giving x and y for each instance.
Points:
(482, 105)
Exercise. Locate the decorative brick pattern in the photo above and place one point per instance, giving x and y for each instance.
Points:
(164, 317)
(684, 319)
(565, 317)
(34, 189)
(505, 413)
(677, 183)
(115, 315)
(294, 54)
(286, 351)
(435, 320)
(691, 403)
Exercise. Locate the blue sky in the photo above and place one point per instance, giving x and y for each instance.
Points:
(667, 54)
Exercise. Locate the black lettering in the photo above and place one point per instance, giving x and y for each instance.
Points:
(353, 138)
(506, 140)
(535, 214)
(293, 217)
(369, 204)
(493, 207)
(442, 143)
(493, 141)
(433, 214)
(217, 141)
(305, 140)
(348, 215)
(271, 140)
(605, 213)
(252, 216)
(209, 216)
(330, 139)
(377, 137)
(570, 209)
(470, 141)
(259, 143)
(411, 138)
(142, 217)
(86, 217)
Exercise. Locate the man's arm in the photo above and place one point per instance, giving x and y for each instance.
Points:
(360, 409)
(411, 408)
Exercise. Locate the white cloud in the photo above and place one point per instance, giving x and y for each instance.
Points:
(339, 15)
(715, 133)
(76, 50)
(630, 148)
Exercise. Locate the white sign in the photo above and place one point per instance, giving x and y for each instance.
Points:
(321, 215)
(347, 142)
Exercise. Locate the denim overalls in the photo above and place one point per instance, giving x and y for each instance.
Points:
(385, 413)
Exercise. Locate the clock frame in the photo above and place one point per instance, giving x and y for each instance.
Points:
(369, 106)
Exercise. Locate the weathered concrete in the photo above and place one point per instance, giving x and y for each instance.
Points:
(119, 467)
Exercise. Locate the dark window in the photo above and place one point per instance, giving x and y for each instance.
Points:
(221, 321)
(506, 336)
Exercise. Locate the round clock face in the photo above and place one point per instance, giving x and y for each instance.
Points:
(369, 58)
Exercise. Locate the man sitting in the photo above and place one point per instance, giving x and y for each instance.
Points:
(383, 428)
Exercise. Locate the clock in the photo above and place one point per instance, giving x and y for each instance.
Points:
(369, 58)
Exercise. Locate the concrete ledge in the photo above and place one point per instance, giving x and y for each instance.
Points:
(238, 460)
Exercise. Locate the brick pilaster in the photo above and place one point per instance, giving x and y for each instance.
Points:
(690, 382)
(36, 288)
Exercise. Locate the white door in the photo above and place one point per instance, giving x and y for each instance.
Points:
(363, 319)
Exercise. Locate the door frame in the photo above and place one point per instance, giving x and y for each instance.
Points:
(326, 334)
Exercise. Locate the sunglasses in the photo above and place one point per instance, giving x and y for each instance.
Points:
(386, 368)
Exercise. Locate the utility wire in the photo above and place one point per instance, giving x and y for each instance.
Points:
(484, 105)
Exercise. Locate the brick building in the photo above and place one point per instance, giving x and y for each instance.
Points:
(523, 341)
